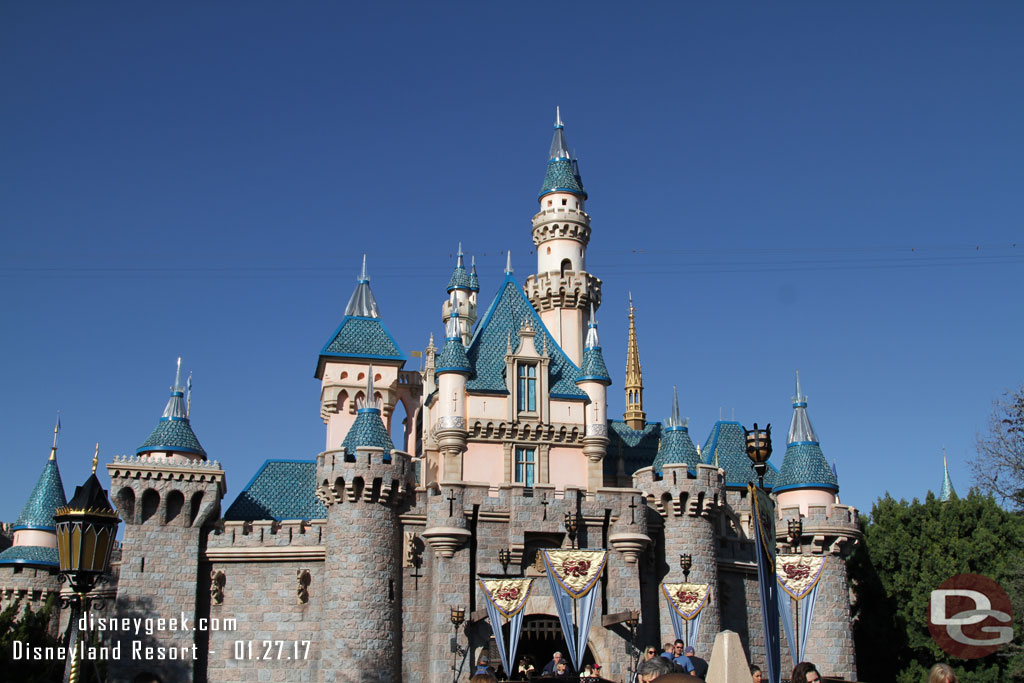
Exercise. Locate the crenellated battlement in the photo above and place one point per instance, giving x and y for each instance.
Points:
(555, 289)
(561, 222)
(677, 492)
(832, 529)
(366, 477)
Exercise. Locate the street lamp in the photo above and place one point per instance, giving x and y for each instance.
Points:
(685, 562)
(796, 529)
(759, 449)
(458, 617)
(634, 651)
(505, 557)
(571, 526)
(86, 528)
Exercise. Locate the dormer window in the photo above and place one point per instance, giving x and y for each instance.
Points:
(527, 389)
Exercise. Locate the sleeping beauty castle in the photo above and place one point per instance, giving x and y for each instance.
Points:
(515, 517)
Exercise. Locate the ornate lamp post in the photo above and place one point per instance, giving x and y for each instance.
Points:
(795, 528)
(505, 557)
(571, 526)
(685, 562)
(458, 617)
(86, 527)
(759, 449)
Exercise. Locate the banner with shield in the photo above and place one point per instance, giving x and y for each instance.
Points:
(572, 576)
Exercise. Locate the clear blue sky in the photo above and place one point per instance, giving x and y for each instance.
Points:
(834, 187)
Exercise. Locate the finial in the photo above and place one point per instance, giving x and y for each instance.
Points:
(430, 343)
(56, 428)
(558, 117)
(632, 310)
(799, 398)
(593, 318)
(369, 384)
(945, 465)
(508, 263)
(177, 377)
(508, 345)
(363, 277)
(675, 405)
(472, 263)
(96, 457)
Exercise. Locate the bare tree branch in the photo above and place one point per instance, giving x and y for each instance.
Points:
(999, 465)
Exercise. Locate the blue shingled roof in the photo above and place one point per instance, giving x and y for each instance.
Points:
(474, 281)
(362, 337)
(638, 448)
(281, 489)
(460, 278)
(30, 554)
(804, 466)
(593, 367)
(453, 357)
(728, 439)
(368, 430)
(46, 497)
(172, 434)
(486, 352)
(561, 176)
(676, 448)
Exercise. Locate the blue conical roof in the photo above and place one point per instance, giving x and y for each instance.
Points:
(173, 433)
(804, 465)
(947, 492)
(46, 497)
(460, 278)
(593, 367)
(474, 281)
(453, 356)
(368, 429)
(563, 174)
(676, 446)
(726, 447)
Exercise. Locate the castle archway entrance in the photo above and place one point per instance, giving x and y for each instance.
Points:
(541, 637)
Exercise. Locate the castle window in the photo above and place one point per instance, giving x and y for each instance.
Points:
(566, 266)
(528, 387)
(525, 465)
(549, 202)
(564, 201)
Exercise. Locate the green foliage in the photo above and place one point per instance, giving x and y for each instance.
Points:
(908, 550)
(22, 624)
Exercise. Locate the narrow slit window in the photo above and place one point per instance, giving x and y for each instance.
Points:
(527, 387)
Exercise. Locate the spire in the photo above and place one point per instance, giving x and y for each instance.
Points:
(562, 173)
(474, 281)
(173, 433)
(96, 457)
(56, 429)
(674, 421)
(508, 263)
(804, 465)
(635, 416)
(676, 446)
(370, 401)
(368, 429)
(800, 430)
(947, 493)
(361, 303)
(460, 279)
(453, 354)
(592, 341)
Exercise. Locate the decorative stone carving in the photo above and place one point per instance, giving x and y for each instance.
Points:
(217, 582)
(597, 430)
(630, 545)
(454, 422)
(302, 579)
(445, 540)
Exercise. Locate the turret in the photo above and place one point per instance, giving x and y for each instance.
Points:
(462, 290)
(805, 477)
(676, 446)
(35, 538)
(594, 380)
(361, 339)
(453, 370)
(363, 484)
(173, 434)
(562, 290)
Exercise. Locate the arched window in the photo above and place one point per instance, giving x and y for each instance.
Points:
(566, 266)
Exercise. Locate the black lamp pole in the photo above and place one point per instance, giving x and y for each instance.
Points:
(458, 616)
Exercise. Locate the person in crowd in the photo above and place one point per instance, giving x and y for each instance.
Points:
(755, 673)
(668, 651)
(805, 672)
(700, 665)
(680, 659)
(552, 666)
(650, 652)
(652, 669)
(483, 678)
(942, 673)
(562, 669)
(483, 665)
(525, 669)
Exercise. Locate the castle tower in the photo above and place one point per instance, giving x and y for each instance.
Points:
(363, 483)
(635, 416)
(947, 492)
(453, 370)
(562, 290)
(165, 495)
(362, 339)
(807, 490)
(462, 291)
(28, 569)
(676, 446)
(594, 380)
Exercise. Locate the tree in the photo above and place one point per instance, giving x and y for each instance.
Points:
(908, 550)
(24, 625)
(999, 465)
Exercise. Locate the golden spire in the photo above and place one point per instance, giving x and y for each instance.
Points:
(635, 416)
(56, 428)
(96, 458)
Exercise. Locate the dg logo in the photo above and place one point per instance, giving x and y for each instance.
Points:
(969, 616)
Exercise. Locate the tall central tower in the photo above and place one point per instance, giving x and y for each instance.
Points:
(562, 290)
